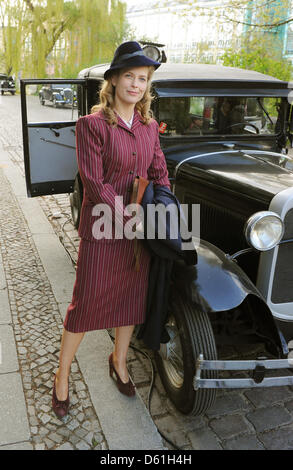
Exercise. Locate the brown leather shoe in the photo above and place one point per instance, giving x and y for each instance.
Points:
(128, 388)
(60, 408)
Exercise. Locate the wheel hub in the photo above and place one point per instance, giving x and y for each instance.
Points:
(171, 354)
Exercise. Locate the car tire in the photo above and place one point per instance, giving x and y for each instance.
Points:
(191, 332)
(76, 202)
(12, 92)
(42, 101)
(2, 92)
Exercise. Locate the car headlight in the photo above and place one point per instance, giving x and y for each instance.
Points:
(264, 230)
(152, 52)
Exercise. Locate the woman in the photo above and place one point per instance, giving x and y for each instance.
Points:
(117, 141)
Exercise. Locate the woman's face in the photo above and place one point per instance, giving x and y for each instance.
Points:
(130, 85)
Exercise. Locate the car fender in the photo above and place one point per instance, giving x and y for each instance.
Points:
(216, 281)
(216, 284)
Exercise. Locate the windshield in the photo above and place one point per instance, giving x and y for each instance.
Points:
(206, 115)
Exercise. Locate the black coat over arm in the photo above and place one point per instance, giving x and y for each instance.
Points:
(163, 254)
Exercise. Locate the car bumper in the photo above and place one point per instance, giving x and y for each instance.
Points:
(65, 101)
(259, 369)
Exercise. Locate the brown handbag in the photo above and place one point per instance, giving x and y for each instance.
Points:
(139, 186)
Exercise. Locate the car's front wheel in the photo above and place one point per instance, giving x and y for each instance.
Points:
(190, 334)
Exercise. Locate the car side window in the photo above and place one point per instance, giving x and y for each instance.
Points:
(224, 115)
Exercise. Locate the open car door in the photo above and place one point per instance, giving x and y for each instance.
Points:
(50, 109)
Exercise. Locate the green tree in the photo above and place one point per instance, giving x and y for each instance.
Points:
(260, 45)
(11, 28)
(260, 14)
(99, 30)
(46, 21)
(58, 37)
(265, 15)
(262, 39)
(30, 31)
(258, 60)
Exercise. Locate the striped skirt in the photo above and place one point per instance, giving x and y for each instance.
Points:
(108, 291)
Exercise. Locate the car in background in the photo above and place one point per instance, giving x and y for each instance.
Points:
(7, 84)
(58, 95)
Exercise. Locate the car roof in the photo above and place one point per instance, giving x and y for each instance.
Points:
(179, 71)
(174, 80)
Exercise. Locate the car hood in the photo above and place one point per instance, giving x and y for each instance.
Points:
(258, 172)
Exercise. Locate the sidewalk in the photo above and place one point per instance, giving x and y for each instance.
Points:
(36, 283)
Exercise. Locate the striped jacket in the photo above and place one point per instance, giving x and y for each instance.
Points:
(109, 158)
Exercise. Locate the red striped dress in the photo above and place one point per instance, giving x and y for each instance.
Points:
(108, 291)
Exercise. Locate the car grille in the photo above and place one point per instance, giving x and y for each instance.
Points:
(221, 226)
(282, 288)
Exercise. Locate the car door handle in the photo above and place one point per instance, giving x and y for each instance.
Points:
(57, 143)
(57, 134)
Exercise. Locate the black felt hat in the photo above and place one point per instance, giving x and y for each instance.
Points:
(129, 54)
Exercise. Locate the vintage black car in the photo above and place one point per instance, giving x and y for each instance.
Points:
(7, 84)
(225, 134)
(58, 94)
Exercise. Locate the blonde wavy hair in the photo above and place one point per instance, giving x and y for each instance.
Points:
(107, 99)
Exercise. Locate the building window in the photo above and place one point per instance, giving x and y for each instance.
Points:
(289, 45)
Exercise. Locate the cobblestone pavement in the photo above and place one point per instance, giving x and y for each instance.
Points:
(248, 419)
(37, 326)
